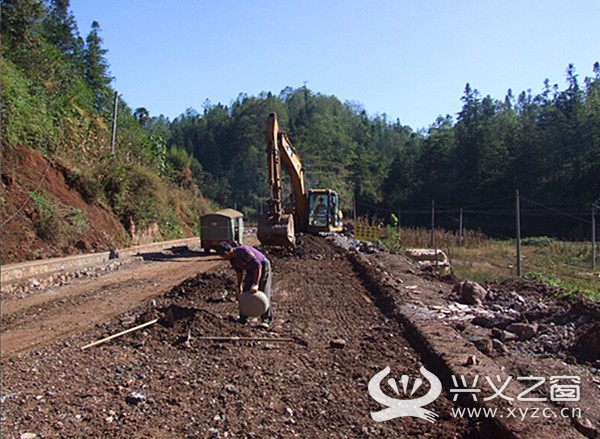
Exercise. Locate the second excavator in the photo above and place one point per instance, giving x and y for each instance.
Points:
(311, 210)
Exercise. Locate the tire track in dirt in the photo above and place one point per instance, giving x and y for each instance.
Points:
(40, 319)
(312, 292)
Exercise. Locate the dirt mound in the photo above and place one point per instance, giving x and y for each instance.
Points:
(43, 216)
(499, 333)
(307, 247)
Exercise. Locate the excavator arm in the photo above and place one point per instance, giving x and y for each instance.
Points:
(274, 166)
(293, 164)
(276, 228)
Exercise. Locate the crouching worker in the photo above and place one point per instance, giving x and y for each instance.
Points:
(253, 271)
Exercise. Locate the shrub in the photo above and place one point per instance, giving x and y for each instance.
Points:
(88, 186)
(25, 117)
(170, 227)
(538, 241)
(77, 222)
(47, 220)
(133, 192)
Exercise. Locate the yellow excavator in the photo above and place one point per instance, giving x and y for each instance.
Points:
(312, 211)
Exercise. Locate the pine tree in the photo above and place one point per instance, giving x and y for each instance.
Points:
(60, 28)
(20, 20)
(96, 69)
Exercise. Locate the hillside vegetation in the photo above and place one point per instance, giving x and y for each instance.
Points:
(57, 98)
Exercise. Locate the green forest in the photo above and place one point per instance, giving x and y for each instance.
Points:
(57, 97)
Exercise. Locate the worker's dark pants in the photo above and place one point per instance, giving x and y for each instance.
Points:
(264, 285)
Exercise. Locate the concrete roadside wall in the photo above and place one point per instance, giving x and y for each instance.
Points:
(23, 270)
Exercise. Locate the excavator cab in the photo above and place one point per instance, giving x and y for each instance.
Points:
(324, 211)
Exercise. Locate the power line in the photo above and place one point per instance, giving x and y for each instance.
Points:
(492, 212)
(558, 212)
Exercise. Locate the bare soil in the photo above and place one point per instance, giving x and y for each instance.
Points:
(26, 172)
(476, 340)
(42, 317)
(338, 321)
(157, 383)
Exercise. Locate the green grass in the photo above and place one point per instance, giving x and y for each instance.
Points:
(48, 222)
(566, 265)
(55, 222)
(76, 220)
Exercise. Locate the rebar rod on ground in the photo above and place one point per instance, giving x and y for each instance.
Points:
(127, 331)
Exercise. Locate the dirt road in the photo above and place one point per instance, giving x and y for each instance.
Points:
(159, 383)
(335, 328)
(54, 313)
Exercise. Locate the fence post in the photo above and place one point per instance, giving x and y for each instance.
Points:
(593, 238)
(460, 227)
(432, 223)
(518, 227)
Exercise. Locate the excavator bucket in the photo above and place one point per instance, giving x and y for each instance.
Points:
(276, 230)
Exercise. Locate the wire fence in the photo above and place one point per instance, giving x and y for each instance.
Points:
(495, 218)
(516, 219)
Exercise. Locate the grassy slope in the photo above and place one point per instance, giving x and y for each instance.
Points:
(567, 265)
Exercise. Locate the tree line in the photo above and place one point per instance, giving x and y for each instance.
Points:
(56, 93)
(545, 145)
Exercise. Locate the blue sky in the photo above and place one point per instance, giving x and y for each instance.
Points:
(408, 59)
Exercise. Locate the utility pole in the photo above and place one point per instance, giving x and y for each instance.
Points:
(114, 125)
(518, 227)
(433, 233)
